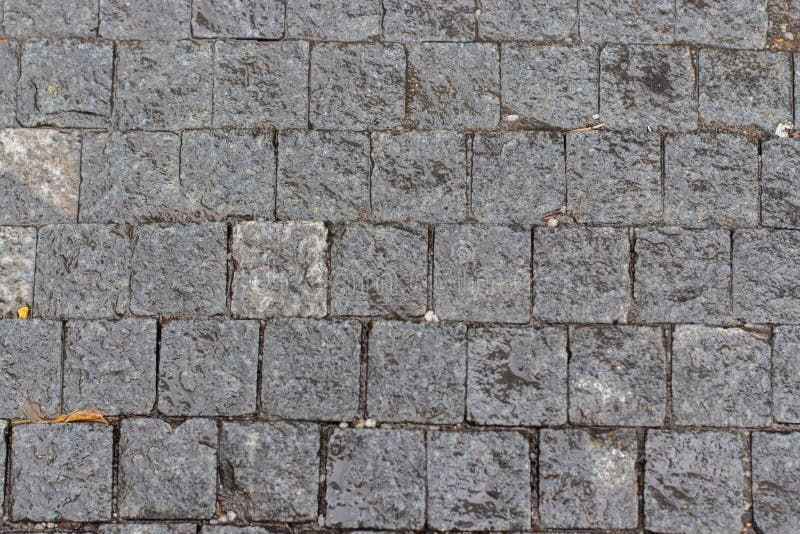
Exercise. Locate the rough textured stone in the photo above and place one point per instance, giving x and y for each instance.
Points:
(379, 270)
(61, 472)
(132, 177)
(334, 20)
(208, 368)
(250, 19)
(549, 86)
(786, 374)
(478, 481)
(376, 479)
(110, 366)
(82, 271)
(780, 183)
(39, 176)
(587, 478)
(162, 86)
(228, 529)
(710, 180)
(694, 481)
(270, 471)
(681, 275)
(311, 369)
(280, 269)
(580, 274)
(148, 528)
(776, 491)
(50, 18)
(628, 21)
(422, 20)
(720, 376)
(783, 24)
(731, 23)
(501, 20)
(9, 65)
(17, 257)
(167, 472)
(482, 273)
(145, 19)
(357, 86)
(617, 376)
(419, 176)
(179, 269)
(261, 84)
(323, 176)
(613, 177)
(517, 376)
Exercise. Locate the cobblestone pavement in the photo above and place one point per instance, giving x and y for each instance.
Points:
(507, 265)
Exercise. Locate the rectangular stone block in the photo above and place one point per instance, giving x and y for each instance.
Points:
(243, 19)
(50, 18)
(158, 20)
(9, 64)
(17, 258)
(521, 20)
(148, 528)
(628, 21)
(422, 20)
(723, 23)
(334, 20)
(780, 183)
(786, 374)
(776, 492)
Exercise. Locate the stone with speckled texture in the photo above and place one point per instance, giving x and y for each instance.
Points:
(17, 259)
(780, 183)
(334, 20)
(776, 491)
(627, 21)
(9, 64)
(722, 23)
(502, 20)
(423, 20)
(786, 374)
(251, 19)
(158, 20)
(50, 18)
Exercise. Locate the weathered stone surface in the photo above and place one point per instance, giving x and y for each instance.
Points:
(482, 273)
(148, 528)
(208, 368)
(681, 275)
(776, 491)
(61, 472)
(50, 18)
(9, 65)
(323, 176)
(613, 177)
(376, 479)
(728, 23)
(549, 86)
(780, 183)
(786, 374)
(39, 176)
(161, 86)
(379, 270)
(250, 19)
(334, 20)
(783, 24)
(229, 529)
(164, 20)
(270, 471)
(261, 84)
(130, 177)
(580, 274)
(694, 481)
(419, 176)
(587, 478)
(110, 366)
(167, 472)
(311, 369)
(179, 269)
(280, 269)
(617, 376)
(422, 20)
(501, 20)
(628, 21)
(17, 257)
(720, 376)
(479, 481)
(710, 180)
(517, 376)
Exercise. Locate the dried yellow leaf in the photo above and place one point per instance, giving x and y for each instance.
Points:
(33, 414)
(23, 311)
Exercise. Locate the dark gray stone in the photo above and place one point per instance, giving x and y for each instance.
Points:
(786, 374)
(9, 65)
(50, 18)
(17, 258)
(422, 20)
(780, 183)
(376, 479)
(628, 21)
(479, 481)
(501, 20)
(726, 23)
(165, 471)
(334, 20)
(61, 472)
(148, 528)
(164, 20)
(776, 491)
(587, 478)
(248, 19)
(270, 471)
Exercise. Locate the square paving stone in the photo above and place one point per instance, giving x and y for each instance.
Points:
(511, 20)
(83, 271)
(517, 376)
(39, 176)
(745, 88)
(479, 481)
(694, 481)
(419, 176)
(130, 177)
(722, 23)
(270, 471)
(617, 375)
(681, 275)
(110, 366)
(61, 472)
(9, 64)
(163, 86)
(416, 372)
(720, 377)
(50, 18)
(323, 176)
(258, 84)
(379, 270)
(166, 471)
(208, 368)
(244, 19)
(376, 479)
(786, 374)
(179, 269)
(613, 177)
(422, 20)
(780, 183)
(549, 86)
(776, 491)
(334, 20)
(17, 257)
(628, 21)
(66, 84)
(482, 273)
(311, 369)
(517, 177)
(148, 528)
(580, 274)
(30, 365)
(280, 269)
(710, 180)
(357, 86)
(587, 478)
(164, 20)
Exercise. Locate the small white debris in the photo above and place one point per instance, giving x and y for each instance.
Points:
(596, 116)
(343, 425)
(784, 129)
(552, 223)
(370, 423)
(231, 516)
(321, 520)
(511, 118)
(431, 317)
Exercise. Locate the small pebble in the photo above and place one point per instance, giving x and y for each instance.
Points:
(431, 317)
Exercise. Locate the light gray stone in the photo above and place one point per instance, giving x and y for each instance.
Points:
(50, 18)
(501, 20)
(164, 20)
(9, 64)
(148, 528)
(628, 21)
(250, 19)
(17, 258)
(422, 20)
(780, 183)
(725, 23)
(334, 20)
(786, 374)
(776, 492)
